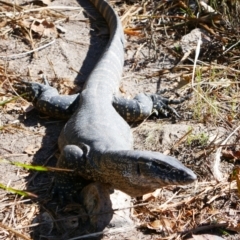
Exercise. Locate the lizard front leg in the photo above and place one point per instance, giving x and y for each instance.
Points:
(47, 100)
(143, 105)
(68, 185)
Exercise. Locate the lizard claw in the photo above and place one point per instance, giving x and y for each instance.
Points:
(30, 90)
(161, 105)
(67, 189)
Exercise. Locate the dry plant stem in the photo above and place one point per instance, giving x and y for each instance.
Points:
(12, 218)
(138, 126)
(231, 47)
(169, 200)
(14, 126)
(15, 203)
(9, 83)
(14, 231)
(111, 231)
(198, 195)
(125, 17)
(216, 66)
(136, 54)
(193, 74)
(216, 172)
(223, 192)
(53, 8)
(65, 8)
(52, 67)
(176, 144)
(26, 53)
(80, 215)
(11, 5)
(204, 228)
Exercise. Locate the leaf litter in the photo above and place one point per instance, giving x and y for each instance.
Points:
(173, 212)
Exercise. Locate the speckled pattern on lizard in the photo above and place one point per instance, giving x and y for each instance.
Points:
(96, 141)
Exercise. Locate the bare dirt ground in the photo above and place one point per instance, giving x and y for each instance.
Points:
(72, 46)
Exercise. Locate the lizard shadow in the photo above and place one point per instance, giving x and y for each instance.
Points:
(55, 221)
(98, 41)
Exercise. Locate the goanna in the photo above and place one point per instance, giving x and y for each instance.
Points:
(96, 141)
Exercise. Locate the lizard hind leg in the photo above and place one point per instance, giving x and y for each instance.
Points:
(68, 184)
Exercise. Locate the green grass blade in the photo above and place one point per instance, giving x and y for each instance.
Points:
(11, 100)
(35, 167)
(19, 192)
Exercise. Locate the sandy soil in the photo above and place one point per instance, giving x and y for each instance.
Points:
(32, 138)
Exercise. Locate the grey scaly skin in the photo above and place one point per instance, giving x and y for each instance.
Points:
(96, 141)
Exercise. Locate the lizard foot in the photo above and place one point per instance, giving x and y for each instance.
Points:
(47, 100)
(143, 105)
(99, 201)
(67, 187)
(161, 105)
(69, 184)
(31, 91)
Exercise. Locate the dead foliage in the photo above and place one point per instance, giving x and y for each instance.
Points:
(36, 23)
(155, 27)
(189, 211)
(176, 26)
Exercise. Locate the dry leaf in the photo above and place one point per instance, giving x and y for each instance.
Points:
(150, 196)
(229, 154)
(206, 237)
(12, 106)
(238, 179)
(27, 108)
(3, 23)
(156, 225)
(236, 176)
(31, 150)
(25, 23)
(43, 3)
(206, 8)
(160, 225)
(122, 90)
(31, 213)
(234, 227)
(44, 28)
(40, 26)
(61, 29)
(133, 32)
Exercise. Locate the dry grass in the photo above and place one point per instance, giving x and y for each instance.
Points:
(216, 102)
(210, 204)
